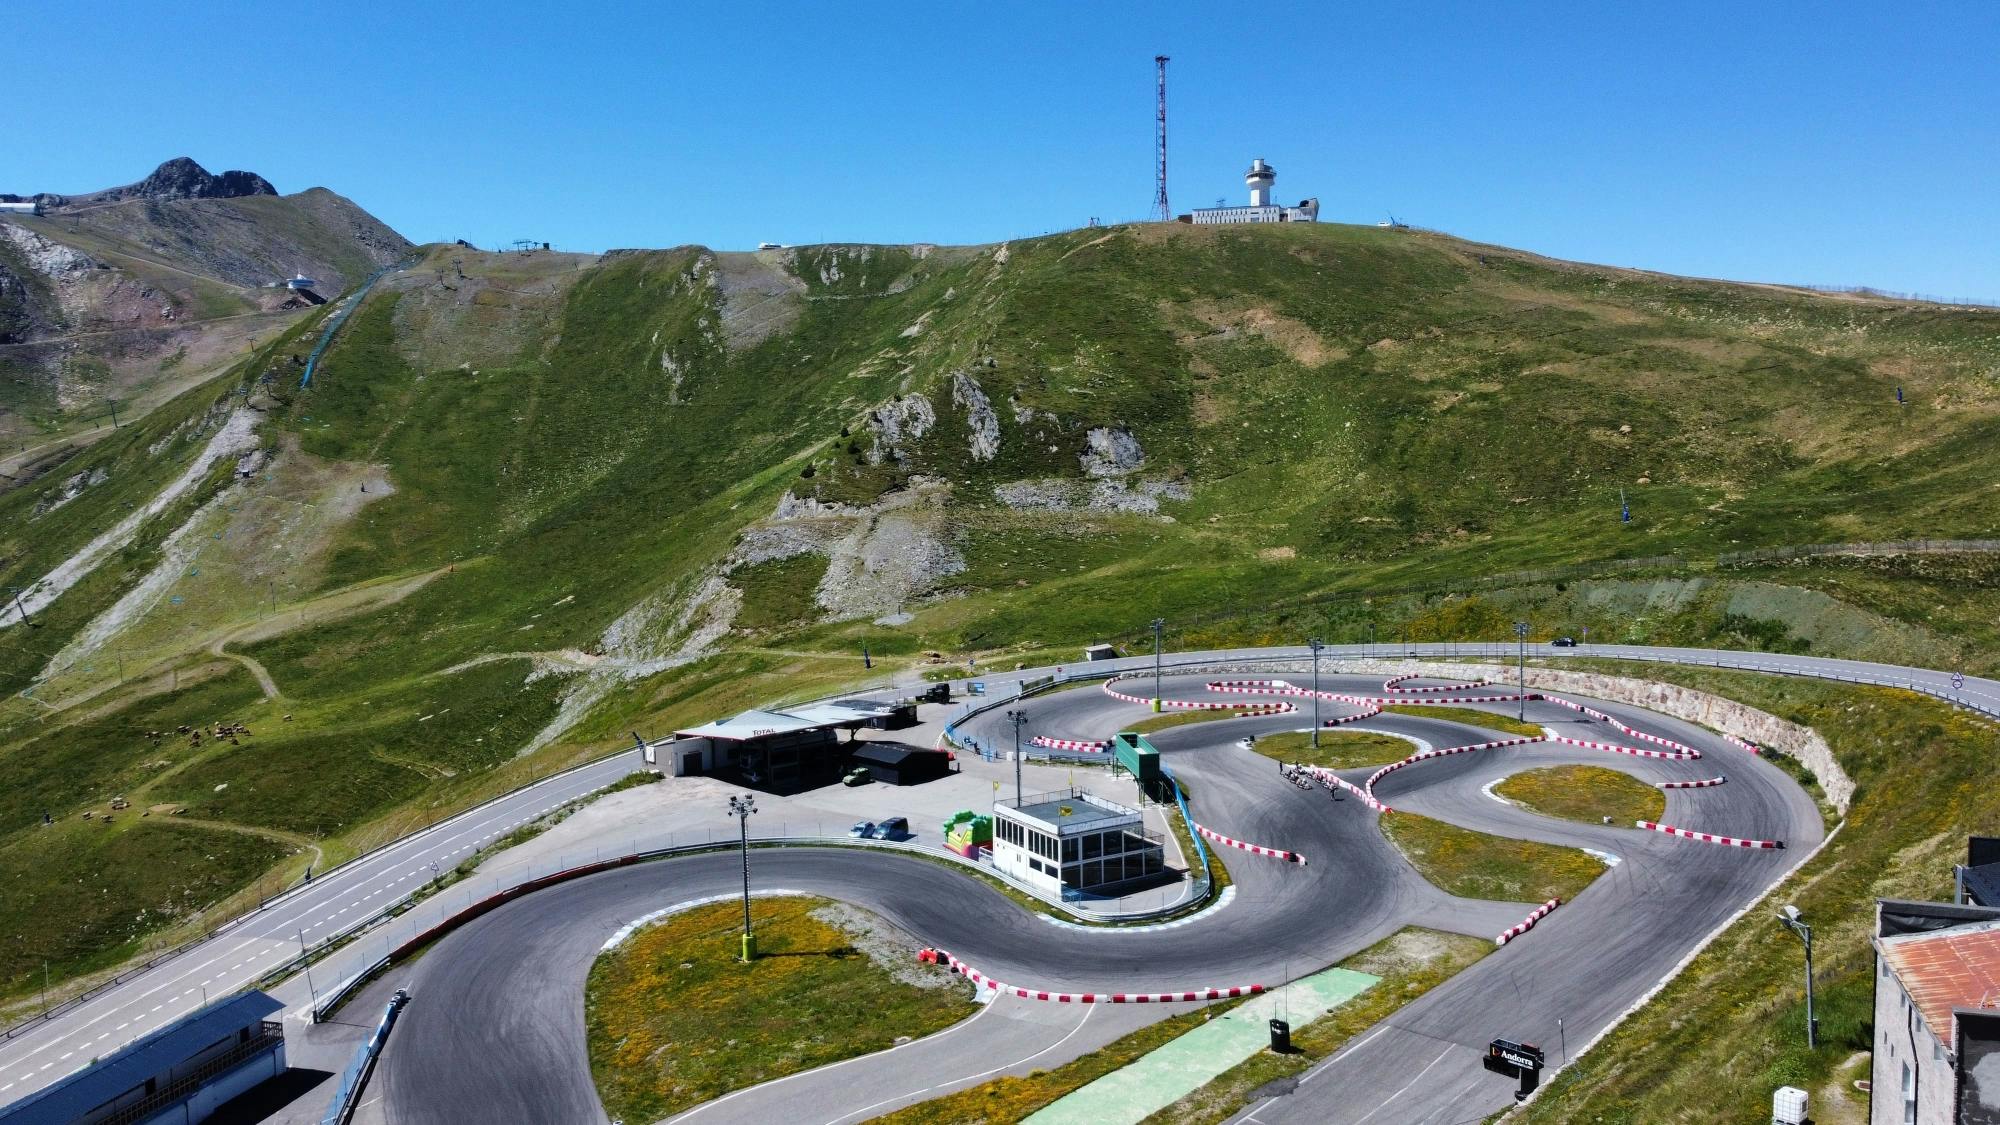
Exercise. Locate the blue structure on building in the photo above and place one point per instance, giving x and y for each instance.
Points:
(178, 1075)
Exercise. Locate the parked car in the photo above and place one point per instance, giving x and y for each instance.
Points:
(862, 830)
(894, 828)
(857, 776)
(1564, 642)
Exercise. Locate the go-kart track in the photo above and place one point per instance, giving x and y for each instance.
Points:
(518, 973)
(495, 1030)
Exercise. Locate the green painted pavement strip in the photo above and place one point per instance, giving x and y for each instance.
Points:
(1186, 1064)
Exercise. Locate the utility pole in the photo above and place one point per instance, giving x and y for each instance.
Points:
(1521, 639)
(1315, 644)
(21, 606)
(1790, 917)
(741, 808)
(1017, 718)
(1159, 625)
(1162, 210)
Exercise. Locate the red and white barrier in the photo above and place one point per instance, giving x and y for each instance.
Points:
(1186, 996)
(1328, 778)
(1635, 751)
(1710, 838)
(1081, 746)
(1203, 705)
(1528, 923)
(1394, 686)
(1703, 784)
(1681, 750)
(1253, 849)
(1427, 755)
(1740, 743)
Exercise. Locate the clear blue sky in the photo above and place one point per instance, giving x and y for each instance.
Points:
(1835, 142)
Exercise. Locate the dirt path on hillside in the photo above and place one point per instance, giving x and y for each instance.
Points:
(264, 680)
(344, 602)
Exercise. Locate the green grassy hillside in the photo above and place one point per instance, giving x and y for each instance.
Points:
(540, 500)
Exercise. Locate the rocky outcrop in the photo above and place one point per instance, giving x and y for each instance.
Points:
(1111, 451)
(182, 178)
(979, 416)
(898, 422)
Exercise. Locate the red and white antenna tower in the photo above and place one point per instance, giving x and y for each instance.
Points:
(1162, 210)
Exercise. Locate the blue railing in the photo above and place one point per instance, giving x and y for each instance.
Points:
(340, 317)
(347, 1095)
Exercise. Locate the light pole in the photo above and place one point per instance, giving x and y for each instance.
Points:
(1315, 644)
(1586, 636)
(1790, 917)
(741, 808)
(1371, 640)
(1521, 639)
(1017, 718)
(1159, 625)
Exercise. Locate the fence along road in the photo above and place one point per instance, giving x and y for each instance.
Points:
(346, 897)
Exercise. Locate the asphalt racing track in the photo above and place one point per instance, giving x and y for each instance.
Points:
(497, 1033)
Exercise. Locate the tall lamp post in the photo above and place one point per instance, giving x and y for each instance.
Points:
(1017, 718)
(1790, 917)
(741, 808)
(1521, 664)
(1315, 644)
(1159, 625)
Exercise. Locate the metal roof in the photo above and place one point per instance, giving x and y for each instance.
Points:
(1956, 968)
(758, 724)
(144, 1058)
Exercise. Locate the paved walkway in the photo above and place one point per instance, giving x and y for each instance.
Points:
(1184, 1065)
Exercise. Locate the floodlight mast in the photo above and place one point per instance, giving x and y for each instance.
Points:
(1790, 917)
(741, 807)
(1315, 644)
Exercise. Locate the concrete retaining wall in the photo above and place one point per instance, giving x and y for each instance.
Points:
(1802, 744)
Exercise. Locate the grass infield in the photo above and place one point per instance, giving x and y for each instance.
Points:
(675, 1020)
(1585, 793)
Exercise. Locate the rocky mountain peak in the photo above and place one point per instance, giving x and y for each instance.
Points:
(182, 178)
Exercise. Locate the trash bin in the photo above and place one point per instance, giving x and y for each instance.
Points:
(1281, 1037)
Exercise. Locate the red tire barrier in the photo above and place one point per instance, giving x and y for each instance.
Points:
(936, 956)
(1253, 849)
(1710, 838)
(1070, 744)
(1693, 784)
(1528, 923)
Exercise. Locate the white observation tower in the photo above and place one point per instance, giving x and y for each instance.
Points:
(1260, 177)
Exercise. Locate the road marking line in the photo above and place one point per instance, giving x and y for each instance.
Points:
(1406, 1087)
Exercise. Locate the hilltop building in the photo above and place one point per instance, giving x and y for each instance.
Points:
(1259, 178)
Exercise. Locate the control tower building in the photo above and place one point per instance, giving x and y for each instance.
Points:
(1258, 179)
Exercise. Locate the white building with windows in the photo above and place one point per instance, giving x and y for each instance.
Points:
(1074, 841)
(1259, 179)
